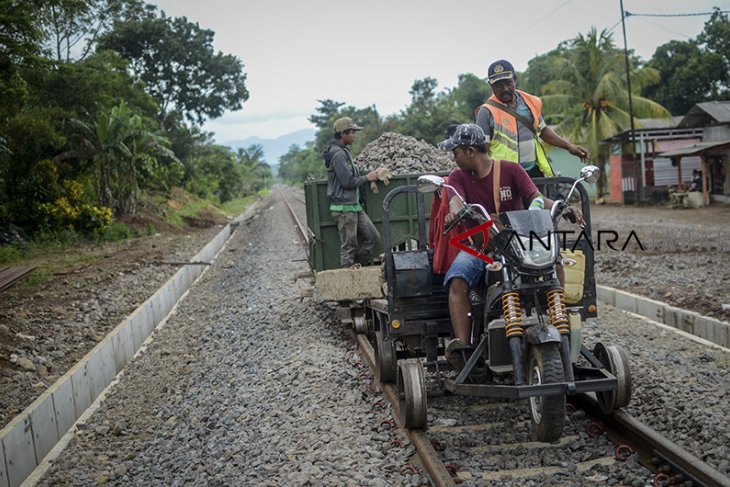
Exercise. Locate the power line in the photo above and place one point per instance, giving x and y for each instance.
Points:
(614, 26)
(667, 29)
(695, 14)
(629, 14)
(546, 16)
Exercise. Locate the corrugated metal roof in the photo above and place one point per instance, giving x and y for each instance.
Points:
(651, 126)
(707, 113)
(694, 148)
(658, 123)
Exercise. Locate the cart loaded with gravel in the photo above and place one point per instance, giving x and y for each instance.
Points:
(526, 324)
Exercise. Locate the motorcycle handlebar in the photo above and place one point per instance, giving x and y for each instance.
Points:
(468, 212)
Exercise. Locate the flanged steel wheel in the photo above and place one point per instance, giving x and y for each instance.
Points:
(614, 358)
(545, 366)
(412, 394)
(386, 358)
(360, 324)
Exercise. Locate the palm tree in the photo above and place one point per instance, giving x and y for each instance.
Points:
(118, 144)
(589, 96)
(253, 167)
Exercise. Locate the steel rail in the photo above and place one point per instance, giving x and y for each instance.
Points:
(301, 228)
(624, 428)
(437, 472)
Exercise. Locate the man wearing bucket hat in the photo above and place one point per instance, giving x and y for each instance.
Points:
(358, 235)
(513, 122)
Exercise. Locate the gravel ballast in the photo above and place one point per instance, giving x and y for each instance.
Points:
(45, 331)
(247, 384)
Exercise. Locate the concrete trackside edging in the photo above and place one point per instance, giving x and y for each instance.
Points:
(31, 435)
(710, 329)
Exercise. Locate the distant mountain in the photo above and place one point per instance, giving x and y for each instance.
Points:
(275, 148)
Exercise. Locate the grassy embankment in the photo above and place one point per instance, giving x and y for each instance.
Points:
(58, 253)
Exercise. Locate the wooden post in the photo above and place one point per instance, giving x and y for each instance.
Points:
(705, 189)
(678, 160)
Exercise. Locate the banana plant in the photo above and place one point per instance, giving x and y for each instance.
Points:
(118, 143)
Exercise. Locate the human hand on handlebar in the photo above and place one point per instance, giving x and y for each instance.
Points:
(451, 216)
(574, 215)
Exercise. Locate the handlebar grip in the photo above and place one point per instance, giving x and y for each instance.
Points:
(462, 214)
(570, 215)
(450, 226)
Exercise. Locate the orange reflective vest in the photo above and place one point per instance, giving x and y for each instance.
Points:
(505, 140)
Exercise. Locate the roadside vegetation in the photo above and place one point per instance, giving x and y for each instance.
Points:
(100, 125)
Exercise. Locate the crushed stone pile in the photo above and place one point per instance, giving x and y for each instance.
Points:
(403, 154)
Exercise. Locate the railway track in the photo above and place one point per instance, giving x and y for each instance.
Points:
(464, 428)
(482, 442)
(165, 394)
(302, 230)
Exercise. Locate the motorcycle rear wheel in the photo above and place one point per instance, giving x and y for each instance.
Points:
(547, 413)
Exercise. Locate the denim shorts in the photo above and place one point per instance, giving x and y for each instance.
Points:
(467, 267)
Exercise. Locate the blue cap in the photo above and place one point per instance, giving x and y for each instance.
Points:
(500, 70)
(465, 134)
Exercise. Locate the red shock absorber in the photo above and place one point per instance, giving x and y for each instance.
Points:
(512, 314)
(557, 312)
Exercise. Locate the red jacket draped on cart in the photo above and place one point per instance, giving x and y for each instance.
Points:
(443, 253)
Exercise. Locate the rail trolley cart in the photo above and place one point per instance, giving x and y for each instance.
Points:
(526, 328)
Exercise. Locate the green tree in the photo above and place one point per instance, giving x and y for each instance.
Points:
(256, 173)
(716, 39)
(300, 164)
(176, 60)
(429, 113)
(688, 75)
(20, 37)
(694, 71)
(85, 87)
(120, 146)
(470, 92)
(19, 46)
(590, 97)
(206, 166)
(27, 176)
(67, 24)
(330, 110)
(541, 70)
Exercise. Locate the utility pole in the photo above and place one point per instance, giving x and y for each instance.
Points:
(638, 177)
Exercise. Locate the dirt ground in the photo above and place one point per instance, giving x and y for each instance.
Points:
(685, 260)
(45, 329)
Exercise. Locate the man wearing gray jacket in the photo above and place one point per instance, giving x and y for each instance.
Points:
(358, 235)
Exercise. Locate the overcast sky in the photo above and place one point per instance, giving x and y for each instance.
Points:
(369, 52)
